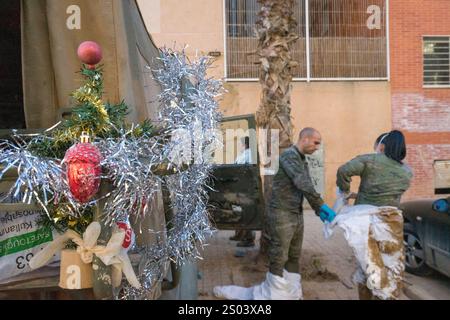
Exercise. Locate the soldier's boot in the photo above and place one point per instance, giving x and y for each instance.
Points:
(245, 244)
(248, 239)
(237, 236)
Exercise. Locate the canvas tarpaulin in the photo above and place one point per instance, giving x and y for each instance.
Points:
(50, 60)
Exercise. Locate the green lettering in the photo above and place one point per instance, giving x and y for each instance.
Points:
(25, 241)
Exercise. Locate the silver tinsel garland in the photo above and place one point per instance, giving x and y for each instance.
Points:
(189, 116)
(39, 180)
(190, 113)
(127, 162)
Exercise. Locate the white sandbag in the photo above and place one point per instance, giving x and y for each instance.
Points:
(371, 231)
(273, 287)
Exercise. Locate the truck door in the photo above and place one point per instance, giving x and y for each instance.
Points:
(236, 200)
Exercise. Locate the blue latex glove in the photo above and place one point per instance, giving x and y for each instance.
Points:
(326, 213)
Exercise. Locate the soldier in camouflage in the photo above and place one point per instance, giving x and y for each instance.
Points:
(285, 218)
(384, 178)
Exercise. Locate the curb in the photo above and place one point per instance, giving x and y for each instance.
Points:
(415, 292)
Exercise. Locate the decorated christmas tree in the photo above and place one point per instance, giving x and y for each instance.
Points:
(63, 168)
(90, 119)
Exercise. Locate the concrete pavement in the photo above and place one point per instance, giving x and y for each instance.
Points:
(433, 287)
(326, 266)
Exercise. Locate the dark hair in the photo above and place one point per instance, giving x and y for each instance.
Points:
(395, 146)
(383, 135)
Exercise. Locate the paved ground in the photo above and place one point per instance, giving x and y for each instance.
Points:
(326, 267)
(434, 287)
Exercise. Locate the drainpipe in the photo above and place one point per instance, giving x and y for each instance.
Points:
(186, 87)
(168, 212)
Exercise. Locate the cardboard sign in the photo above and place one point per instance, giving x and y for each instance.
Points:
(20, 238)
(442, 176)
(317, 170)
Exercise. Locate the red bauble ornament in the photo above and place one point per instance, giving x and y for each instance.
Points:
(83, 170)
(90, 53)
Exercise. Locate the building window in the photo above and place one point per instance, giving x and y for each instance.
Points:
(242, 41)
(436, 61)
(347, 39)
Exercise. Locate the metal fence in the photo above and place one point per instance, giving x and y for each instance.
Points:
(338, 39)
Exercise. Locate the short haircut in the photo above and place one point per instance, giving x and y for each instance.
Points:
(307, 132)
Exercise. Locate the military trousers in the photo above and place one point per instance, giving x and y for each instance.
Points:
(285, 240)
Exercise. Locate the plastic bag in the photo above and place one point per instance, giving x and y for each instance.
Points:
(375, 236)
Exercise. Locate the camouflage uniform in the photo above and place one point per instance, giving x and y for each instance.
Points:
(291, 183)
(383, 180)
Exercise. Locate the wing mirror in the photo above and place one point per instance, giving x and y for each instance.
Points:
(441, 205)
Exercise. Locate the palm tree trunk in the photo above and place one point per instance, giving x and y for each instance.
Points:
(276, 29)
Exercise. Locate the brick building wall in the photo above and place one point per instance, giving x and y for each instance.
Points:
(423, 114)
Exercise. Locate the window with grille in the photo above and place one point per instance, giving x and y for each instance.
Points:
(341, 39)
(242, 42)
(436, 61)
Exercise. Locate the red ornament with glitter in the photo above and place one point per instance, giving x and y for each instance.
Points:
(90, 53)
(83, 169)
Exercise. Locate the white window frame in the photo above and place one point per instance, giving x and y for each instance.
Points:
(308, 54)
(431, 86)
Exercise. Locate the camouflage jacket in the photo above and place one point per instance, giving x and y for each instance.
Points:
(383, 180)
(292, 182)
